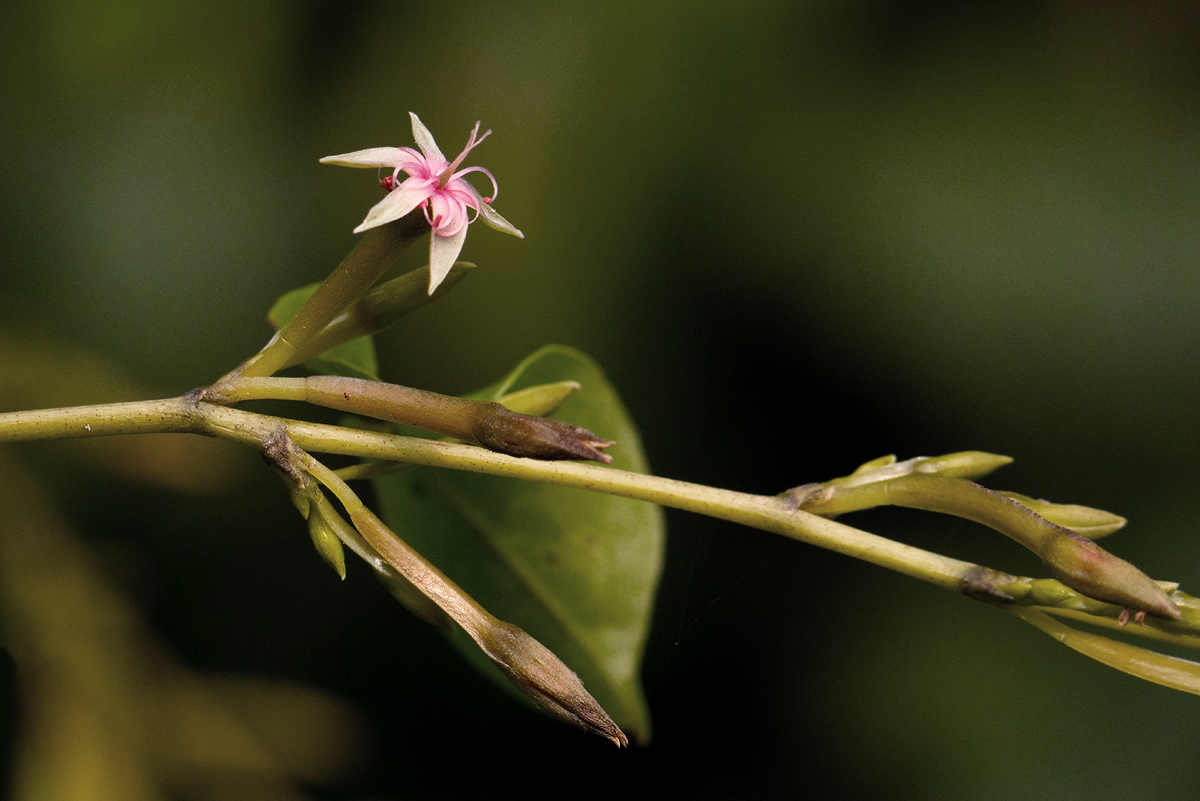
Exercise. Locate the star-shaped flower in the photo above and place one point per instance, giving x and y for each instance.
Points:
(435, 185)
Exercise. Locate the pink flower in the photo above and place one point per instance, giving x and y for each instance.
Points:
(435, 185)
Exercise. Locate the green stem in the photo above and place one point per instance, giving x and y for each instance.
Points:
(768, 513)
(379, 308)
(354, 275)
(171, 415)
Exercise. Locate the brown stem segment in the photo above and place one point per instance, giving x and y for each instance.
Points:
(488, 424)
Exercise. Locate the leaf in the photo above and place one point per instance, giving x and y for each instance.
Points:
(355, 358)
(578, 570)
(1169, 671)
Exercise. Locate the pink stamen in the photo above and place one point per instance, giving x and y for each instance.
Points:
(445, 175)
(488, 173)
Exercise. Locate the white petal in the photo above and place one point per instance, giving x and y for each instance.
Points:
(400, 201)
(424, 139)
(371, 157)
(492, 217)
(443, 250)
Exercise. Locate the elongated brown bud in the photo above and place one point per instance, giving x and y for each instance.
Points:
(530, 666)
(536, 437)
(544, 679)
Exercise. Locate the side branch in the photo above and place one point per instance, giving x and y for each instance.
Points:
(764, 512)
(776, 514)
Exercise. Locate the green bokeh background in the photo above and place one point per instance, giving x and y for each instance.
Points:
(797, 235)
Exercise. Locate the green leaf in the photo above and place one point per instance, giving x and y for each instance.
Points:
(355, 358)
(578, 570)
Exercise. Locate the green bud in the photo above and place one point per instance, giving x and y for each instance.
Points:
(1049, 592)
(882, 461)
(966, 464)
(539, 400)
(302, 503)
(326, 542)
(323, 537)
(875, 471)
(1091, 523)
(870, 485)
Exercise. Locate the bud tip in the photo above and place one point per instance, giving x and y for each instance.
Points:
(502, 430)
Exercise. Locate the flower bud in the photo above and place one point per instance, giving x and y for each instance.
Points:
(1091, 523)
(871, 466)
(505, 431)
(544, 679)
(327, 543)
(324, 539)
(965, 464)
(530, 666)
(872, 483)
(1049, 592)
(1084, 566)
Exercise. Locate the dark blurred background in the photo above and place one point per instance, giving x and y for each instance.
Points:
(797, 236)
